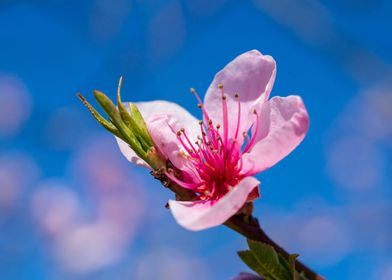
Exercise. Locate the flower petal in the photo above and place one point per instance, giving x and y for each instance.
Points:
(198, 215)
(152, 111)
(252, 76)
(283, 123)
(130, 154)
(163, 130)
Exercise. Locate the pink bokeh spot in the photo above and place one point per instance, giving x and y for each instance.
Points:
(241, 134)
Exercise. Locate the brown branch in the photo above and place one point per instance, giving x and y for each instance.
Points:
(245, 224)
(249, 227)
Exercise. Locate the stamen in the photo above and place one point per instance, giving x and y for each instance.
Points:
(225, 116)
(190, 149)
(246, 137)
(189, 142)
(237, 96)
(194, 92)
(253, 139)
(216, 159)
(182, 183)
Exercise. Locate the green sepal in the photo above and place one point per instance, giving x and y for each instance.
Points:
(155, 159)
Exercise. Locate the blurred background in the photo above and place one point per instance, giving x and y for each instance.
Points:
(72, 207)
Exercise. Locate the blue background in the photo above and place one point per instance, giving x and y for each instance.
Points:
(71, 207)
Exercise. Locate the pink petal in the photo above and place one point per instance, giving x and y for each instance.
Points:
(283, 123)
(252, 75)
(163, 130)
(198, 215)
(130, 154)
(153, 110)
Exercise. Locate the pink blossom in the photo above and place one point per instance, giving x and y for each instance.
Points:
(242, 134)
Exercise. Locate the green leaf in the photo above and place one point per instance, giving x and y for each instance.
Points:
(115, 117)
(110, 109)
(123, 112)
(135, 123)
(139, 120)
(101, 120)
(127, 124)
(269, 260)
(250, 260)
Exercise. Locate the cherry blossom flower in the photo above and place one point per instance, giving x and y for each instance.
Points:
(241, 133)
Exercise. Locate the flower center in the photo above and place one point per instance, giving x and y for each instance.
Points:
(215, 157)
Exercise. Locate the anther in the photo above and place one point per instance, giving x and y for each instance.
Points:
(244, 134)
(218, 126)
(210, 122)
(201, 122)
(182, 130)
(178, 133)
(192, 90)
(255, 112)
(199, 106)
(236, 95)
(224, 97)
(220, 86)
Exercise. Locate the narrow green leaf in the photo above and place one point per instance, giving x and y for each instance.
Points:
(110, 109)
(138, 118)
(269, 260)
(108, 106)
(101, 120)
(136, 125)
(123, 112)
